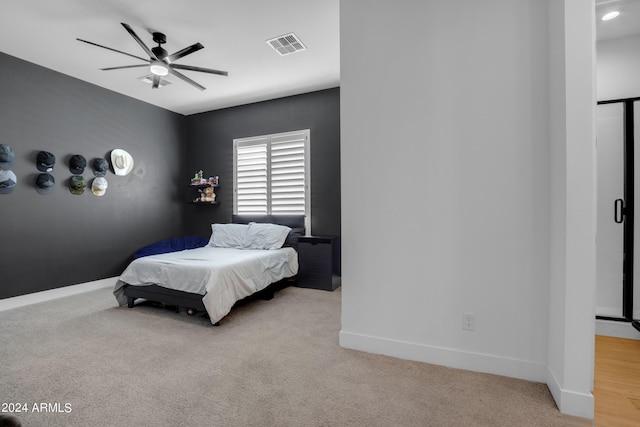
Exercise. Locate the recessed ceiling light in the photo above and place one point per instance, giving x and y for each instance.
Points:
(609, 16)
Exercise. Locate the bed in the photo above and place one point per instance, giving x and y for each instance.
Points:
(250, 257)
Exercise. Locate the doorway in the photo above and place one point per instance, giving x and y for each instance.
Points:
(616, 137)
(618, 89)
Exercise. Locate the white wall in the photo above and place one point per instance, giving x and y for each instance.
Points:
(618, 68)
(446, 183)
(446, 194)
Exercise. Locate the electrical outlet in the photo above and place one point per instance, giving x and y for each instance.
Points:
(469, 321)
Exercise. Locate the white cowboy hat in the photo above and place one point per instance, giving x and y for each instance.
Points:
(122, 162)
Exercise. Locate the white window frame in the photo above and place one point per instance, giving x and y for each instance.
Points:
(267, 139)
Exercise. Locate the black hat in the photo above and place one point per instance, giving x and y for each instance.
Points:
(6, 156)
(45, 161)
(77, 164)
(45, 183)
(100, 167)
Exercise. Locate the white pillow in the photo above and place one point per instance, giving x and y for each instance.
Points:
(265, 236)
(228, 235)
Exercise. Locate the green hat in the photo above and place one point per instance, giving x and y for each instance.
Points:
(77, 184)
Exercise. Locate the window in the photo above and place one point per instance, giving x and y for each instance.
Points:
(271, 175)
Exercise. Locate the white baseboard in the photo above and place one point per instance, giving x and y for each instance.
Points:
(611, 328)
(569, 402)
(24, 300)
(478, 362)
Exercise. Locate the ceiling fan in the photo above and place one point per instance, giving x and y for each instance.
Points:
(160, 63)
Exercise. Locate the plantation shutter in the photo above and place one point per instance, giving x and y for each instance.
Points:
(288, 174)
(251, 177)
(272, 174)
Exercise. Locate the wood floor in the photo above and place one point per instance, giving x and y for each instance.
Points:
(617, 382)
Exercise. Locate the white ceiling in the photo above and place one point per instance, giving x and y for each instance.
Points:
(233, 33)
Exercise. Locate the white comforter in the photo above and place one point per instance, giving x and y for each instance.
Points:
(223, 275)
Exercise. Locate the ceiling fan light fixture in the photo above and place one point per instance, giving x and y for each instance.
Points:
(160, 62)
(159, 68)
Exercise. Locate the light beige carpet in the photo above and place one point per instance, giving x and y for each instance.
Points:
(270, 363)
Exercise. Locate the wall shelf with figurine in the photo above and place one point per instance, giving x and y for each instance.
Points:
(204, 189)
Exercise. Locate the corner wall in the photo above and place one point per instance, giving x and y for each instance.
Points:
(210, 148)
(59, 239)
(573, 206)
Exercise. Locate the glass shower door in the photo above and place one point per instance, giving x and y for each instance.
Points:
(610, 225)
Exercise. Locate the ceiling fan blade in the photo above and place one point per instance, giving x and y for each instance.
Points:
(184, 52)
(140, 42)
(156, 82)
(185, 78)
(114, 50)
(124, 67)
(200, 69)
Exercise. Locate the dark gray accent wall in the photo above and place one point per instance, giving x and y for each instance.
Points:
(59, 239)
(210, 148)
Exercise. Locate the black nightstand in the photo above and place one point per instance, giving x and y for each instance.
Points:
(319, 262)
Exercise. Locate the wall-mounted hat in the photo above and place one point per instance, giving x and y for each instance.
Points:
(8, 181)
(45, 183)
(122, 162)
(77, 163)
(45, 161)
(99, 186)
(6, 156)
(77, 184)
(100, 166)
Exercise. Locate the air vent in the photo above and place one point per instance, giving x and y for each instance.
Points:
(286, 44)
(149, 80)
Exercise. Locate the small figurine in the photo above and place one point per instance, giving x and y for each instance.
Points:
(206, 195)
